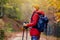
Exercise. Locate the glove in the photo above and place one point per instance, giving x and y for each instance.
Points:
(25, 27)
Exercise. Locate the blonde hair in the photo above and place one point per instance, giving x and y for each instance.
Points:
(37, 6)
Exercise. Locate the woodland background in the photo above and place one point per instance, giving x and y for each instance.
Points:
(14, 12)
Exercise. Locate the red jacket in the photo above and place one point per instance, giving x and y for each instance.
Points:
(33, 22)
(35, 18)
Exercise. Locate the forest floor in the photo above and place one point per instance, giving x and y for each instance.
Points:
(18, 36)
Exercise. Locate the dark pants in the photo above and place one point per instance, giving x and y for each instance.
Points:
(35, 38)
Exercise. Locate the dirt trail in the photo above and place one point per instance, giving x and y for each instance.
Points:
(18, 36)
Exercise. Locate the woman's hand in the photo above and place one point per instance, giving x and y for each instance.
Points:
(25, 26)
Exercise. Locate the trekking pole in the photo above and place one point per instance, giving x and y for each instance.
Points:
(23, 34)
(23, 31)
(26, 34)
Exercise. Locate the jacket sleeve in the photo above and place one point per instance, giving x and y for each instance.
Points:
(35, 19)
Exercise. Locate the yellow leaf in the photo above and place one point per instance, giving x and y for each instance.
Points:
(17, 9)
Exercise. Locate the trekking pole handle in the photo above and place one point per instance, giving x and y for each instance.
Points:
(25, 26)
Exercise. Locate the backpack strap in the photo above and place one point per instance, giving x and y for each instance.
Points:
(40, 14)
(37, 13)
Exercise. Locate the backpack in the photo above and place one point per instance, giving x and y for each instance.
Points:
(42, 23)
